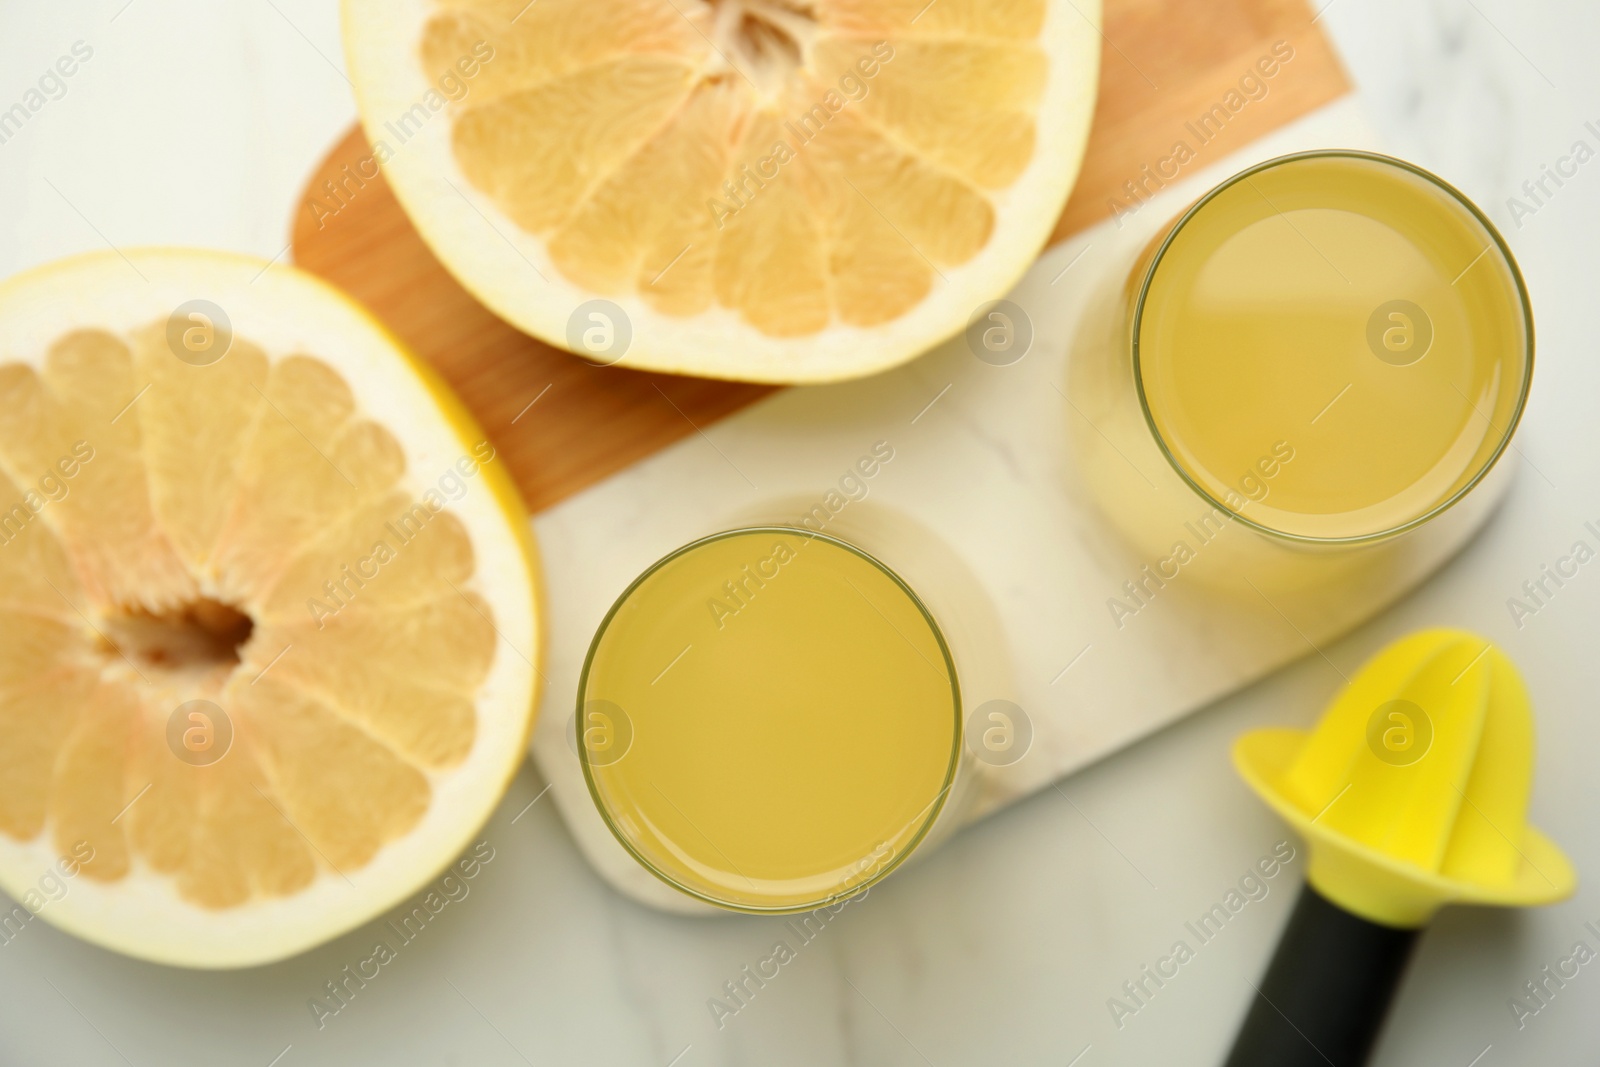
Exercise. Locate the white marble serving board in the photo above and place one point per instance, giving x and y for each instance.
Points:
(982, 457)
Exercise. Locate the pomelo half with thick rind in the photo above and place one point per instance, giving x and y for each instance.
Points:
(269, 616)
(768, 190)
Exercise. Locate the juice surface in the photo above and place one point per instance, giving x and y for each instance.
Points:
(793, 718)
(1332, 347)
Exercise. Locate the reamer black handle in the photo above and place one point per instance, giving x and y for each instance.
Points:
(1326, 992)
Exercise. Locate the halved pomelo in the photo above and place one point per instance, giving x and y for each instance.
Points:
(268, 620)
(771, 190)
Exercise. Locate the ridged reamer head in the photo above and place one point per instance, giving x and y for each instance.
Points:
(1412, 791)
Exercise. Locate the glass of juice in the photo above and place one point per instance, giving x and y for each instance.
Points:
(769, 719)
(1323, 353)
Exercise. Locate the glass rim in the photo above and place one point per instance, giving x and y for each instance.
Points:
(1497, 241)
(933, 810)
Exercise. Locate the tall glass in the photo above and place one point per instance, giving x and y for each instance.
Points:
(770, 720)
(1299, 385)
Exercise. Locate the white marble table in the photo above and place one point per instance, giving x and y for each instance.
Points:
(195, 122)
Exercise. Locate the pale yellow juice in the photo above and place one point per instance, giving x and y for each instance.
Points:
(1332, 347)
(770, 719)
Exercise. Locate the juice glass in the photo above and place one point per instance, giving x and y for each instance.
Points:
(770, 719)
(1325, 352)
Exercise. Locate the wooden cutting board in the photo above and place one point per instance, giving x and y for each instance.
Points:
(1164, 63)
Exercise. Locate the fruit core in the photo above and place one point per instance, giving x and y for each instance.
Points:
(198, 637)
(766, 41)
